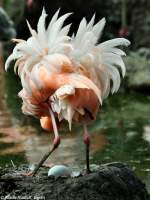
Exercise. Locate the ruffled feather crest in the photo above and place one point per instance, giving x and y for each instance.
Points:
(81, 49)
(41, 43)
(105, 57)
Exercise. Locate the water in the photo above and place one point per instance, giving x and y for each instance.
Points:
(121, 133)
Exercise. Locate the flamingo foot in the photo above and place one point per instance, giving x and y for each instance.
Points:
(28, 174)
(88, 171)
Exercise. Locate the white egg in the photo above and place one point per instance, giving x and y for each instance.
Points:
(60, 170)
(31, 167)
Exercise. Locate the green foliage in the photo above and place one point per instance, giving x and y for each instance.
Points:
(123, 118)
(124, 108)
(144, 33)
(138, 68)
(15, 9)
(6, 27)
(14, 103)
(12, 88)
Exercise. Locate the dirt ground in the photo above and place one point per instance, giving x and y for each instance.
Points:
(111, 182)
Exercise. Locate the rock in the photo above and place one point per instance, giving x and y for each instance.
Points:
(138, 71)
(110, 182)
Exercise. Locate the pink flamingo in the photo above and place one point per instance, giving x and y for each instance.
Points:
(66, 77)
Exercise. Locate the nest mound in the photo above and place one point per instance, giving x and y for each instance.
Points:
(111, 182)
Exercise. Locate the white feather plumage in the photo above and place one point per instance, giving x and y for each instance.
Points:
(101, 60)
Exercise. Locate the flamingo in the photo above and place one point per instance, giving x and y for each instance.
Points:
(66, 77)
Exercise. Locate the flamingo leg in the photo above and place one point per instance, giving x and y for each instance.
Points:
(56, 143)
(86, 139)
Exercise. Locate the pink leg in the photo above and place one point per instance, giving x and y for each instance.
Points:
(56, 143)
(86, 139)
